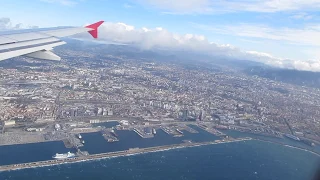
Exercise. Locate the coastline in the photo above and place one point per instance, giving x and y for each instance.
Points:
(290, 146)
(109, 155)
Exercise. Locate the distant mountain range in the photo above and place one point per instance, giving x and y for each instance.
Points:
(196, 60)
(302, 78)
(188, 60)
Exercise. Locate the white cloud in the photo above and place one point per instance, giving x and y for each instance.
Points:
(305, 39)
(6, 24)
(180, 6)
(273, 5)
(308, 35)
(302, 15)
(206, 6)
(148, 38)
(127, 6)
(63, 2)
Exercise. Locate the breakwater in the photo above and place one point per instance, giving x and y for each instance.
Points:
(114, 154)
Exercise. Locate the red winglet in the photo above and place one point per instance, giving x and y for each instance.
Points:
(94, 26)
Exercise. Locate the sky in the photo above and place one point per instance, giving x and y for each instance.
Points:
(282, 33)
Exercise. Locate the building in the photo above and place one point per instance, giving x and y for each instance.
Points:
(57, 127)
(124, 122)
(10, 123)
(100, 111)
(110, 113)
(94, 121)
(185, 115)
(201, 116)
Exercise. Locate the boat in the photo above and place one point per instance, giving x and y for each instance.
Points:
(154, 131)
(292, 137)
(114, 133)
(64, 156)
(179, 131)
(82, 141)
(79, 136)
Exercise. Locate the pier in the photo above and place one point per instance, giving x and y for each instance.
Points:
(172, 130)
(110, 135)
(88, 157)
(189, 129)
(180, 133)
(211, 130)
(142, 133)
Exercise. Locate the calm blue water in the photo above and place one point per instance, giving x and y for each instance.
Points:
(243, 160)
(95, 143)
(273, 139)
(13, 154)
(250, 160)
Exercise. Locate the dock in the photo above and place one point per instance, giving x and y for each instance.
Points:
(72, 142)
(180, 133)
(173, 130)
(211, 130)
(110, 135)
(132, 151)
(142, 134)
(189, 129)
(67, 143)
(165, 130)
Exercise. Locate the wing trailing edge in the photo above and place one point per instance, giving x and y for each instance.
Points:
(38, 43)
(45, 54)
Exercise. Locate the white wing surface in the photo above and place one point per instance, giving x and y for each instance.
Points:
(38, 43)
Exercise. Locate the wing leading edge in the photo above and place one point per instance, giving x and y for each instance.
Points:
(39, 43)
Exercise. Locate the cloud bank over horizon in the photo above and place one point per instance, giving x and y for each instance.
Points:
(158, 37)
(223, 6)
(149, 38)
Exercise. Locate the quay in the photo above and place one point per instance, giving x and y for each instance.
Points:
(172, 131)
(114, 154)
(165, 130)
(143, 134)
(211, 130)
(136, 131)
(180, 133)
(189, 129)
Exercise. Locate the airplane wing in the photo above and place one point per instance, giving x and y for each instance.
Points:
(38, 43)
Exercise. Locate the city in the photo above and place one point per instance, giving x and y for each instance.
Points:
(49, 101)
(157, 89)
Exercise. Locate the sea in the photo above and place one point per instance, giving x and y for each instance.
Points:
(267, 158)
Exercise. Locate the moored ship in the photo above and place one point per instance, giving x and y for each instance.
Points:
(292, 137)
(64, 156)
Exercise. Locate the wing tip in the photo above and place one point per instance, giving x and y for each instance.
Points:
(94, 26)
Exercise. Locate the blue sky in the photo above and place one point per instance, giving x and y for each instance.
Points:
(281, 29)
